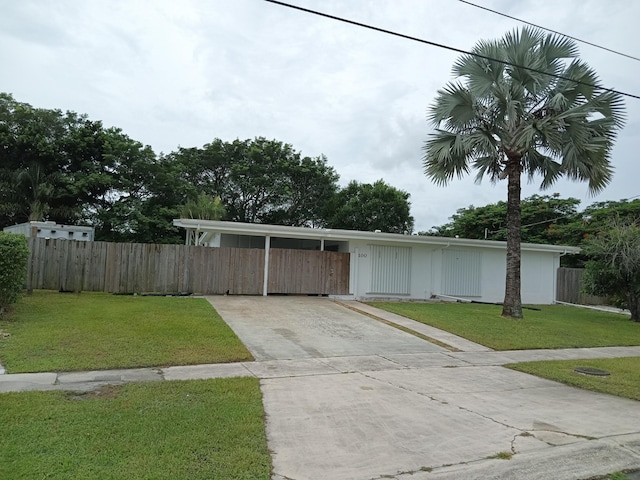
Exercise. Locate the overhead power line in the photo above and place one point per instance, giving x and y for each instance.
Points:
(552, 31)
(446, 47)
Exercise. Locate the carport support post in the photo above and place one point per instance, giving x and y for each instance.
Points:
(267, 247)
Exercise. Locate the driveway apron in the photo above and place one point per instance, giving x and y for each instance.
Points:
(280, 328)
(368, 401)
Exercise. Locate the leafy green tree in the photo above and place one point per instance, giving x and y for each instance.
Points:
(370, 207)
(597, 217)
(260, 180)
(60, 166)
(148, 196)
(614, 265)
(504, 121)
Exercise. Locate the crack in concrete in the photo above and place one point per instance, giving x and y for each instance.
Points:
(523, 432)
(277, 476)
(442, 402)
(406, 472)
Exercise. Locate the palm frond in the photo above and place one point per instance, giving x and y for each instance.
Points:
(453, 106)
(446, 156)
(481, 74)
(610, 105)
(488, 166)
(588, 163)
(536, 163)
(579, 90)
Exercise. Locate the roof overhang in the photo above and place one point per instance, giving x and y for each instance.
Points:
(261, 230)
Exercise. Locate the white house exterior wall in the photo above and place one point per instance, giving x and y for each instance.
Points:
(361, 272)
(426, 276)
(485, 260)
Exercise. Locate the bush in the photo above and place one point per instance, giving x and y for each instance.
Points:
(14, 253)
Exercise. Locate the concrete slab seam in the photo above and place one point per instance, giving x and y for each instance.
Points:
(249, 372)
(393, 361)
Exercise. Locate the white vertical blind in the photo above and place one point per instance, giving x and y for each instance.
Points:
(461, 273)
(390, 270)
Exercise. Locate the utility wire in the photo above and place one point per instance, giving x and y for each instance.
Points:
(446, 47)
(552, 31)
(550, 220)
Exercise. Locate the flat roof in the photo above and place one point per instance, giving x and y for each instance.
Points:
(261, 229)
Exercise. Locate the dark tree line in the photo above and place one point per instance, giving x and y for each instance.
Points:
(65, 167)
(545, 219)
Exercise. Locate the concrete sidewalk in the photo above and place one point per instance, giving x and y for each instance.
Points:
(399, 409)
(268, 369)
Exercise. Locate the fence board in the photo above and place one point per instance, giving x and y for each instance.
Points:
(569, 288)
(57, 264)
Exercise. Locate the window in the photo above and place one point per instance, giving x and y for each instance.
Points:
(461, 271)
(390, 270)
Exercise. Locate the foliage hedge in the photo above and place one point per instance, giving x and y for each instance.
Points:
(14, 253)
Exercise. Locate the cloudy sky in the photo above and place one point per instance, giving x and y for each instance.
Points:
(182, 73)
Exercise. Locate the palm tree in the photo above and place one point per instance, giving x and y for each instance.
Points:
(38, 190)
(503, 120)
(204, 207)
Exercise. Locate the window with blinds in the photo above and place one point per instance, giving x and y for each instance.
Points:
(390, 270)
(461, 273)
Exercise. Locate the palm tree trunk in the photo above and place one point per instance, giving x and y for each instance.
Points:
(512, 305)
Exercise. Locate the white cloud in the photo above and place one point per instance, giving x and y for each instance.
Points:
(183, 73)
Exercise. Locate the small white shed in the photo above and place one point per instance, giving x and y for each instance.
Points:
(53, 230)
(386, 265)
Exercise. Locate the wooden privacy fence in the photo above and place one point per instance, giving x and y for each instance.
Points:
(136, 267)
(569, 288)
(308, 271)
(70, 265)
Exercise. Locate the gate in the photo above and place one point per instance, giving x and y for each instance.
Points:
(308, 272)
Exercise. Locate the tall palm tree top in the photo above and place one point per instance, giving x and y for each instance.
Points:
(551, 119)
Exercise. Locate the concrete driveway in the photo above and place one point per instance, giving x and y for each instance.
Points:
(281, 327)
(348, 397)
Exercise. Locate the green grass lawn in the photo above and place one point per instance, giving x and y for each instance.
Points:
(198, 429)
(554, 326)
(624, 380)
(51, 331)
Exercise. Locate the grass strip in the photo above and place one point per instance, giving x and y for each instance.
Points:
(197, 429)
(51, 331)
(554, 326)
(624, 380)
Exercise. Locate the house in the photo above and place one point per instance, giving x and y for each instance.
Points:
(385, 265)
(52, 230)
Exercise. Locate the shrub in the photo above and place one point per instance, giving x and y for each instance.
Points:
(14, 253)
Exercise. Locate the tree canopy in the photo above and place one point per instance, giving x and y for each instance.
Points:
(59, 165)
(523, 104)
(544, 220)
(65, 167)
(370, 207)
(614, 265)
